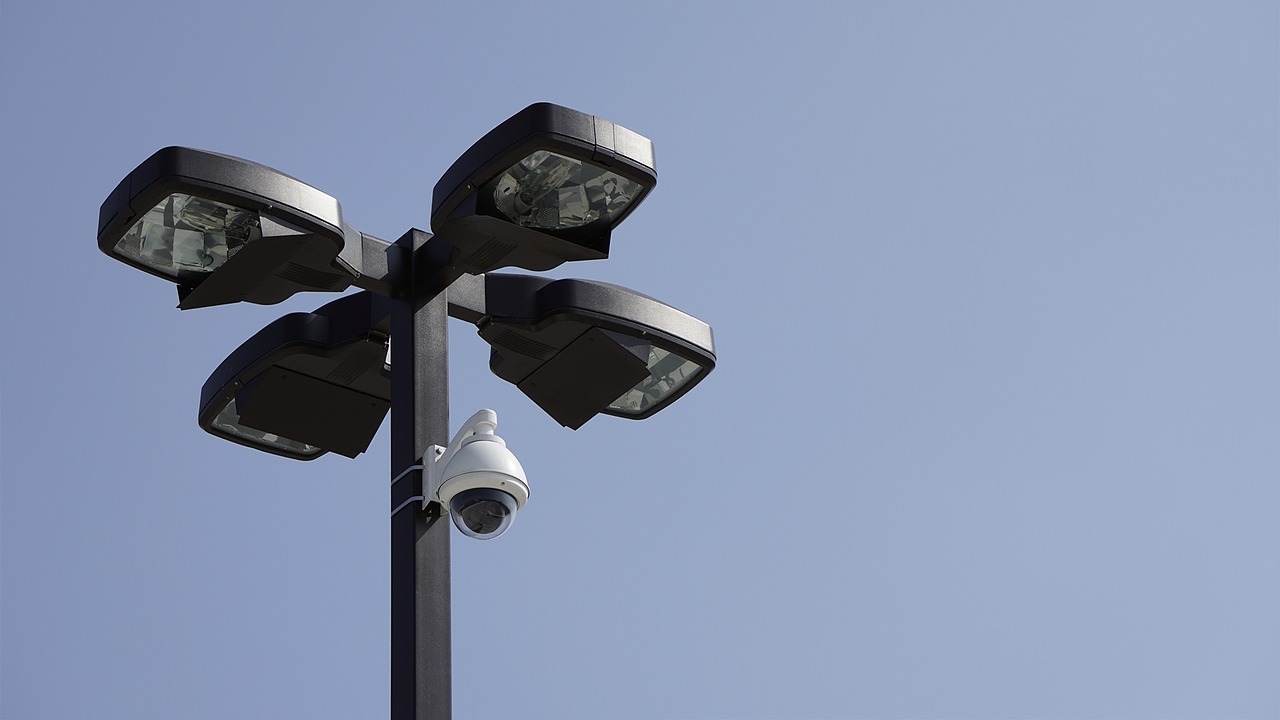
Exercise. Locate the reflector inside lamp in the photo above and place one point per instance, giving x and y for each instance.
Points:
(549, 191)
(668, 372)
(187, 233)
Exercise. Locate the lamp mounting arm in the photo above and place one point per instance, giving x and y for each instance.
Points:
(375, 263)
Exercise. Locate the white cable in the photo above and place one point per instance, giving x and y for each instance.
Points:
(415, 498)
(407, 470)
(410, 501)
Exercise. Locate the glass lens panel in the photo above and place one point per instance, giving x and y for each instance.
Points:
(483, 516)
(482, 513)
(549, 191)
(667, 373)
(189, 233)
(228, 421)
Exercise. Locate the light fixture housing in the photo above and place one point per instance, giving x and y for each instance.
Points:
(224, 229)
(546, 186)
(578, 348)
(306, 384)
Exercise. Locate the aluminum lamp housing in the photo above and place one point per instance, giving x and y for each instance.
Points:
(579, 348)
(255, 234)
(482, 209)
(306, 384)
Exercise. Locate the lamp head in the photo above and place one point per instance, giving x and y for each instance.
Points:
(224, 229)
(546, 186)
(304, 385)
(579, 347)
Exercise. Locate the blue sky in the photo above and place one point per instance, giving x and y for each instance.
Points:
(993, 433)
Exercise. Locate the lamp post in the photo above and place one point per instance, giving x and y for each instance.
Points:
(421, 649)
(545, 187)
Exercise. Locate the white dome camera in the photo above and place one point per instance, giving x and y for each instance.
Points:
(477, 479)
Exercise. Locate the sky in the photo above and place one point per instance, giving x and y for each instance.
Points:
(995, 289)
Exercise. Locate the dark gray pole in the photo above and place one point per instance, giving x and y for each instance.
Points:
(421, 672)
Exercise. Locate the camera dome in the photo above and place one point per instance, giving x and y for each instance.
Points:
(482, 483)
(483, 513)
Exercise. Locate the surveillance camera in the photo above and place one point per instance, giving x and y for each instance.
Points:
(478, 479)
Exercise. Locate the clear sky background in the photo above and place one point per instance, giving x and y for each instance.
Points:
(995, 430)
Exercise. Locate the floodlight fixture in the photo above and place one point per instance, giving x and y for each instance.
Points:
(306, 384)
(546, 186)
(225, 229)
(578, 348)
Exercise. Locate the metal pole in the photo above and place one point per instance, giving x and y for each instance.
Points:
(421, 672)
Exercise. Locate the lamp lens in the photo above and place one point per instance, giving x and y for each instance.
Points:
(188, 233)
(668, 372)
(549, 191)
(228, 421)
(483, 513)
